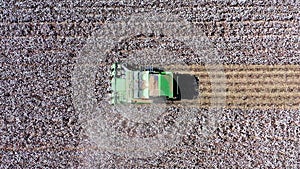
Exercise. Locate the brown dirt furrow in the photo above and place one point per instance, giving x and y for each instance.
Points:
(249, 86)
(206, 104)
(251, 95)
(252, 80)
(237, 73)
(256, 87)
(231, 68)
(234, 66)
(247, 106)
(249, 100)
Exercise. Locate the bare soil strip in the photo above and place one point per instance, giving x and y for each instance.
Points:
(248, 86)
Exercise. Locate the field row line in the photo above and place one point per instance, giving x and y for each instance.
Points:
(230, 66)
(94, 6)
(103, 22)
(249, 94)
(85, 36)
(243, 105)
(242, 75)
(286, 82)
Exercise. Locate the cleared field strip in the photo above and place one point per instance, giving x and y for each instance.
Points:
(233, 67)
(246, 86)
(206, 104)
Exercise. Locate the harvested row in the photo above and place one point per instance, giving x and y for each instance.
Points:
(232, 67)
(246, 86)
(206, 104)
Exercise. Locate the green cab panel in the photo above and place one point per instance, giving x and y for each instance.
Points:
(166, 84)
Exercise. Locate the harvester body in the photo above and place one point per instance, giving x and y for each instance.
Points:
(140, 85)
